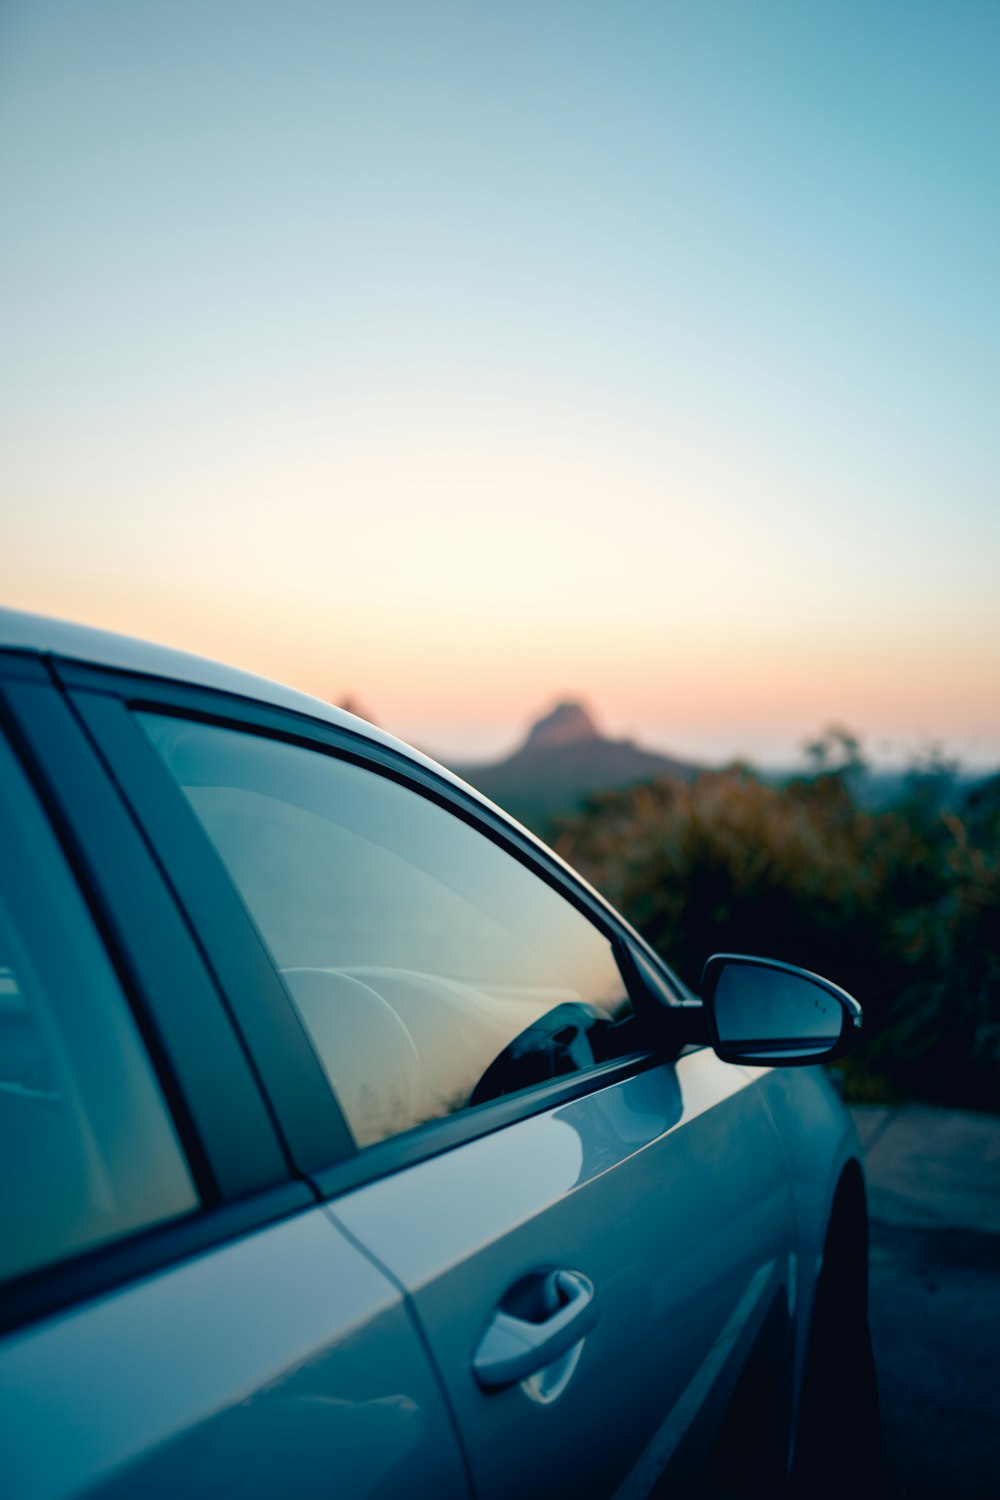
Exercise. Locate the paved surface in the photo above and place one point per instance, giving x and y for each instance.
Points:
(934, 1196)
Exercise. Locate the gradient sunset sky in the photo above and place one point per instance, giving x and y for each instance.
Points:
(460, 357)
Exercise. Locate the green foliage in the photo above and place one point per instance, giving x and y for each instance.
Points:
(900, 906)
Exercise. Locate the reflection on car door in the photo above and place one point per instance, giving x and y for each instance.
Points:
(669, 1194)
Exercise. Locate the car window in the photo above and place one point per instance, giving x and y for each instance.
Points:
(88, 1151)
(432, 969)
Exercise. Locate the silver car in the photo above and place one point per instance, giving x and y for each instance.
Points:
(351, 1145)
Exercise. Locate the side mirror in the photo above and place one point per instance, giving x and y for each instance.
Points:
(765, 1013)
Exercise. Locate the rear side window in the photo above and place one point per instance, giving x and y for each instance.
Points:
(432, 969)
(88, 1151)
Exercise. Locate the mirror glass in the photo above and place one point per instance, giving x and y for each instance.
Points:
(770, 1013)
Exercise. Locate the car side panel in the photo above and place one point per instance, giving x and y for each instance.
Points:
(285, 1363)
(819, 1139)
(670, 1193)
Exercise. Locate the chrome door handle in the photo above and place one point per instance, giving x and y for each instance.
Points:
(512, 1348)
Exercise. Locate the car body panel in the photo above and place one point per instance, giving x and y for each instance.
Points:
(819, 1141)
(670, 1193)
(283, 1362)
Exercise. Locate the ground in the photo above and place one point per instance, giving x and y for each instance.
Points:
(934, 1196)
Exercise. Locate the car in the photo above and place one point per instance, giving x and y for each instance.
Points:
(352, 1145)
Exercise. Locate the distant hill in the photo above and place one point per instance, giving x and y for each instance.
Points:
(562, 760)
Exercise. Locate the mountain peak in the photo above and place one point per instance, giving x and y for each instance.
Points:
(569, 723)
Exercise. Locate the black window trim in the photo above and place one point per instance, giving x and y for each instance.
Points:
(345, 1166)
(305, 1110)
(111, 871)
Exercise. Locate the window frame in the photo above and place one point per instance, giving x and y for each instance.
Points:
(107, 701)
(227, 1137)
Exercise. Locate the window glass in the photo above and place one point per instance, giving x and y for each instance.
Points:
(431, 968)
(88, 1151)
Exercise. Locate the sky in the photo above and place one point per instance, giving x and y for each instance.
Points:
(462, 357)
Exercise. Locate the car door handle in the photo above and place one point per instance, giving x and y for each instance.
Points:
(512, 1348)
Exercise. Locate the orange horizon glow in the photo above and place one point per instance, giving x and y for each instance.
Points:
(759, 693)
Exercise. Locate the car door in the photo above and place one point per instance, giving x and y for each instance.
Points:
(178, 1314)
(522, 1162)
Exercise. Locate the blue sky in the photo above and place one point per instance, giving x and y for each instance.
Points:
(459, 356)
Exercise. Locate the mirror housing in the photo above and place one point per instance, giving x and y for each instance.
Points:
(769, 1014)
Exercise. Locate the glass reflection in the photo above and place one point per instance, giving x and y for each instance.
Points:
(763, 1009)
(431, 968)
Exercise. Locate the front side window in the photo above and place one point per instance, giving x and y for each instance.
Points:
(432, 970)
(88, 1152)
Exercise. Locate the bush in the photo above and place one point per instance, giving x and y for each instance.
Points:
(899, 906)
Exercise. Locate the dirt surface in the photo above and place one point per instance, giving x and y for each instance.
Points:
(934, 1192)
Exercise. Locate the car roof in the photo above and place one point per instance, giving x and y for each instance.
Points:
(41, 634)
(84, 643)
